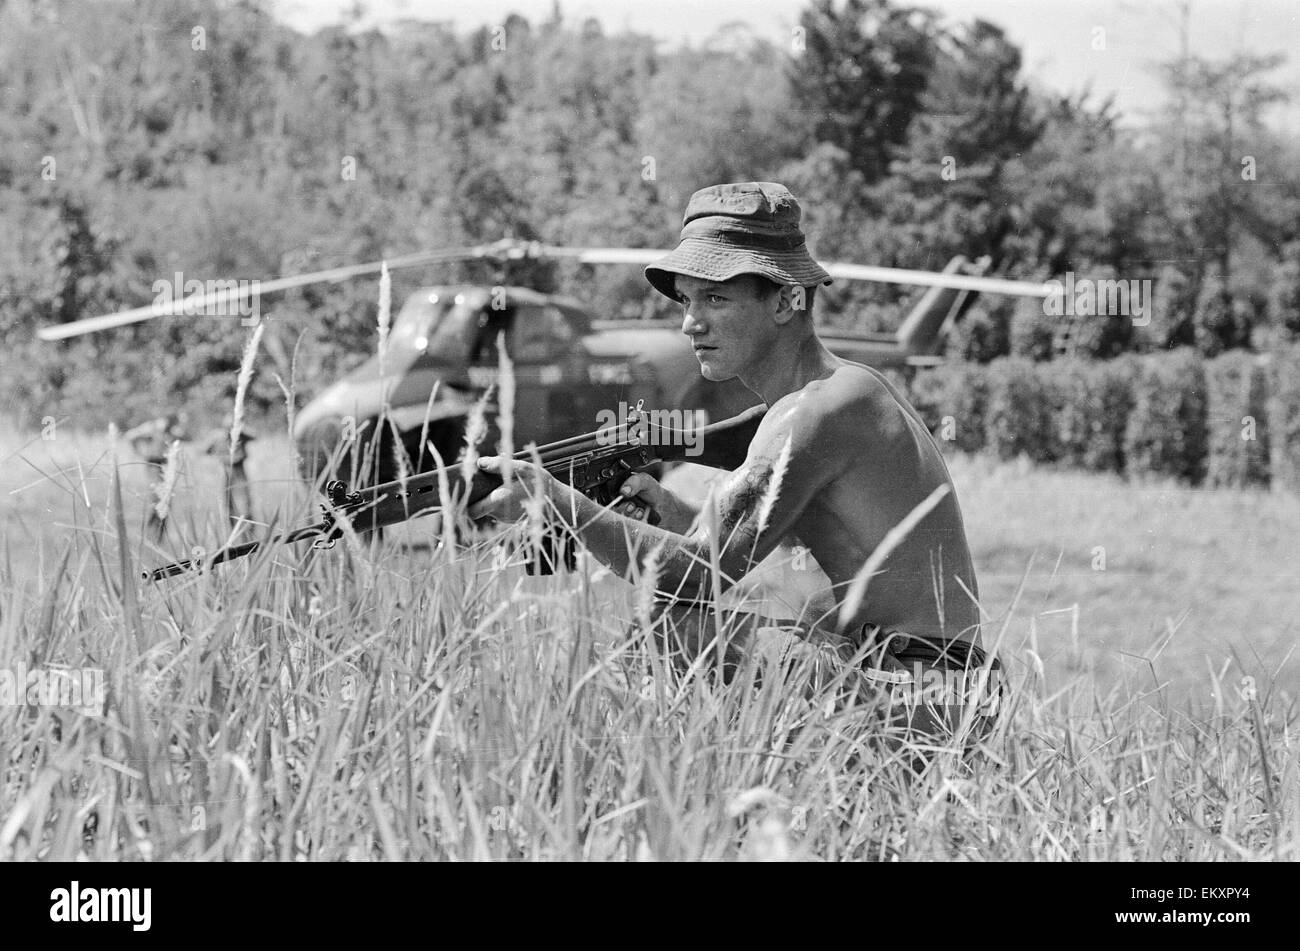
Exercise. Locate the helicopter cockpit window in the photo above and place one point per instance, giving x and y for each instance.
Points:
(488, 324)
(541, 333)
(422, 325)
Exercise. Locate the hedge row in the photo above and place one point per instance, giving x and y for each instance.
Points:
(1284, 419)
(1230, 421)
(1238, 437)
(951, 398)
(1166, 431)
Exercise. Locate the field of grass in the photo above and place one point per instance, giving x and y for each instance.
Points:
(389, 702)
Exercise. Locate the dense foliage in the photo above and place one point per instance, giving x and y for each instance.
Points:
(138, 140)
(1233, 420)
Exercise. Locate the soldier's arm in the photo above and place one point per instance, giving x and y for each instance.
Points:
(717, 448)
(791, 459)
(729, 448)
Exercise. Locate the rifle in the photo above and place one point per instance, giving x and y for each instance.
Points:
(595, 463)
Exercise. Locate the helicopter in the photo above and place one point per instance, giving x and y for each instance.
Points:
(441, 356)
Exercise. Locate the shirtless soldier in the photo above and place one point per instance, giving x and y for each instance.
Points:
(859, 461)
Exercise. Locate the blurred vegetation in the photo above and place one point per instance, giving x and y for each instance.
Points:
(1237, 422)
(203, 137)
(1233, 420)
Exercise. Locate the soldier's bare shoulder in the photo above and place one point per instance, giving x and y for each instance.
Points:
(852, 401)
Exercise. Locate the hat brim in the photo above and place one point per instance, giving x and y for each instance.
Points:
(716, 259)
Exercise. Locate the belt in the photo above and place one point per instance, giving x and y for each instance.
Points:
(951, 651)
(939, 654)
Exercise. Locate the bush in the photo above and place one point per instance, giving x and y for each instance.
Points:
(1091, 405)
(1284, 419)
(1018, 418)
(1032, 332)
(1101, 334)
(1223, 318)
(1284, 290)
(1237, 431)
(951, 398)
(1173, 305)
(984, 334)
(1169, 413)
(1166, 428)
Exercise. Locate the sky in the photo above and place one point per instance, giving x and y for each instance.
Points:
(1109, 46)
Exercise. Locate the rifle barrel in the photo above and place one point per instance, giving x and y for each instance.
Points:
(234, 551)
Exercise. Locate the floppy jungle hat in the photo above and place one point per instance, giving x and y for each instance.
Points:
(739, 228)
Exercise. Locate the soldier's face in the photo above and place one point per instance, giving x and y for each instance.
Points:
(725, 322)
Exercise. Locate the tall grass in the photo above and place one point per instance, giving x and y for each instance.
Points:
(424, 706)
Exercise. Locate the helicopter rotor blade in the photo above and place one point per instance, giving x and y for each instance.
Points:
(966, 282)
(509, 249)
(605, 255)
(198, 303)
(852, 272)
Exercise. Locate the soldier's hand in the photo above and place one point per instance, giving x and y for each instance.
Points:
(674, 514)
(506, 502)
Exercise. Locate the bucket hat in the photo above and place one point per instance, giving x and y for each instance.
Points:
(739, 228)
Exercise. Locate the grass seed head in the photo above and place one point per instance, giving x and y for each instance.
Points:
(774, 486)
(166, 487)
(475, 429)
(506, 416)
(648, 586)
(385, 309)
(241, 385)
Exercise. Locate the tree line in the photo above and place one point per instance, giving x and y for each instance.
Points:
(204, 137)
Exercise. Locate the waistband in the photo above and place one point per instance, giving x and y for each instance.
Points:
(952, 652)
